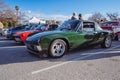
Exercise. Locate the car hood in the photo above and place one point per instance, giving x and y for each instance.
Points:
(37, 36)
(47, 33)
(25, 32)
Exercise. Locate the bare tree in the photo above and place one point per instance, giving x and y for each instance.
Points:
(96, 17)
(22, 16)
(113, 16)
(6, 12)
(8, 15)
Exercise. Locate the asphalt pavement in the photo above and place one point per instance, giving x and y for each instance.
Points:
(93, 63)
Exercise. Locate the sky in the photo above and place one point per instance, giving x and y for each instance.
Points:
(63, 9)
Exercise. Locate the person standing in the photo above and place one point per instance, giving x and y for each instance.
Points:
(80, 17)
(73, 16)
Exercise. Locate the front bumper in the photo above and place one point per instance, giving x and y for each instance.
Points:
(9, 36)
(35, 49)
(17, 39)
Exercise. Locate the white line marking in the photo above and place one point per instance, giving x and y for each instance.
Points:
(11, 47)
(73, 60)
(113, 52)
(7, 41)
(57, 65)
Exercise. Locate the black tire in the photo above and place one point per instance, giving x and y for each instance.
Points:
(0, 34)
(57, 48)
(107, 42)
(117, 38)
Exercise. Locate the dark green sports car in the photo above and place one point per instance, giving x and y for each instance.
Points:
(71, 34)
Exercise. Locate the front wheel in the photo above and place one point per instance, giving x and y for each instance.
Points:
(58, 48)
(107, 42)
(119, 37)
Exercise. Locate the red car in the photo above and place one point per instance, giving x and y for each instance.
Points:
(22, 36)
(113, 26)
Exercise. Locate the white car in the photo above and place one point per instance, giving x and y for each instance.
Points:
(4, 32)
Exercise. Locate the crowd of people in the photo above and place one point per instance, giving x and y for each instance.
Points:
(75, 17)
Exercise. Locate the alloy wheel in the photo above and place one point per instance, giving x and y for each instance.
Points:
(108, 41)
(58, 48)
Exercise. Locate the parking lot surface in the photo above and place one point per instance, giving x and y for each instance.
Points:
(93, 63)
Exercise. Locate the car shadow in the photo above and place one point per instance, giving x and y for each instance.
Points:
(2, 38)
(77, 54)
(22, 56)
(6, 43)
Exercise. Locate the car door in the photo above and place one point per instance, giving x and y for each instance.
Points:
(99, 34)
(91, 35)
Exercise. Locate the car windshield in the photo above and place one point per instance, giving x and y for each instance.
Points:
(52, 27)
(28, 27)
(109, 24)
(33, 27)
(69, 25)
(41, 27)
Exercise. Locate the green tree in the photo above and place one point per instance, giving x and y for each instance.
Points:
(5, 24)
(17, 9)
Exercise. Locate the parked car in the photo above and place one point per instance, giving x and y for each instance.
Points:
(21, 37)
(12, 30)
(4, 31)
(27, 28)
(1, 27)
(113, 26)
(70, 35)
(0, 32)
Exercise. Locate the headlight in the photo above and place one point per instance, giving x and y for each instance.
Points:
(39, 41)
(39, 48)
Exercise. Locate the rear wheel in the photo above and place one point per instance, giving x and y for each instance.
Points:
(58, 48)
(107, 42)
(117, 38)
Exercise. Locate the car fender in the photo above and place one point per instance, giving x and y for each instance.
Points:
(46, 41)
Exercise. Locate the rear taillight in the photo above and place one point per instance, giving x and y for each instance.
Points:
(23, 35)
(113, 27)
(17, 32)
